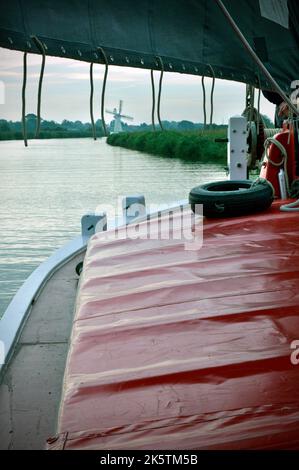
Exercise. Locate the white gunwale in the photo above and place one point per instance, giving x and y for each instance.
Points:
(15, 315)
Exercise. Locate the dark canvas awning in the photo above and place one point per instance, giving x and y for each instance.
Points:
(188, 35)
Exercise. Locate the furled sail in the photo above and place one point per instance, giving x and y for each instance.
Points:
(189, 36)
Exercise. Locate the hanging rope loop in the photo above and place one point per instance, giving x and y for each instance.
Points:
(204, 101)
(212, 95)
(153, 100)
(160, 91)
(41, 48)
(24, 124)
(91, 102)
(104, 89)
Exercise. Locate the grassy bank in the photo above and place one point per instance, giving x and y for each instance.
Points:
(188, 146)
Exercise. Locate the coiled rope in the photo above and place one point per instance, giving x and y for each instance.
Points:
(91, 102)
(292, 207)
(153, 100)
(284, 160)
(260, 180)
(271, 132)
(103, 90)
(40, 46)
(160, 91)
(24, 124)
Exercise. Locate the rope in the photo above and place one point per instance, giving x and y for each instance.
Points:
(272, 140)
(260, 180)
(24, 124)
(256, 139)
(255, 57)
(204, 101)
(153, 99)
(297, 130)
(40, 83)
(291, 124)
(271, 132)
(250, 102)
(212, 95)
(251, 157)
(91, 102)
(159, 92)
(250, 113)
(292, 207)
(258, 111)
(103, 90)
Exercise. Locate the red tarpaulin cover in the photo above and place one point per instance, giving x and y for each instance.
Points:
(187, 349)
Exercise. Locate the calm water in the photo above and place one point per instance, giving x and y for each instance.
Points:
(47, 187)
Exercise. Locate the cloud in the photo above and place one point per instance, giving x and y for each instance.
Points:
(66, 91)
(14, 59)
(9, 73)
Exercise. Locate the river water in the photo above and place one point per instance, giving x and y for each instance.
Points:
(47, 187)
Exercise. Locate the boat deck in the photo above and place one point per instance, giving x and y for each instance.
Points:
(30, 390)
(187, 349)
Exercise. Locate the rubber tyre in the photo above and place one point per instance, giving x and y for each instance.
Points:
(231, 198)
(79, 268)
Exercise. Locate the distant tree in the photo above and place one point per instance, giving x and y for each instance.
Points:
(4, 126)
(79, 125)
(31, 116)
(51, 126)
(31, 122)
(68, 125)
(98, 124)
(185, 125)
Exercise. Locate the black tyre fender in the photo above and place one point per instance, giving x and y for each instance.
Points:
(232, 198)
(79, 268)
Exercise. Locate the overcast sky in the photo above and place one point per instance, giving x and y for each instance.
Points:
(66, 92)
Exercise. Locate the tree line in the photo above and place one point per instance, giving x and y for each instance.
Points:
(12, 130)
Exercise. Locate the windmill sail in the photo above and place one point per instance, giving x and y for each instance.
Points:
(117, 124)
(124, 116)
(188, 35)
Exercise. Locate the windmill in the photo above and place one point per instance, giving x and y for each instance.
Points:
(117, 118)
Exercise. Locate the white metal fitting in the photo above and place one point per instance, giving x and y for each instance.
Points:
(133, 206)
(92, 223)
(236, 148)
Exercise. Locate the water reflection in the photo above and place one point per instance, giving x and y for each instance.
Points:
(47, 187)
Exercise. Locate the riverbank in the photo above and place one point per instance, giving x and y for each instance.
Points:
(189, 146)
